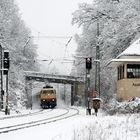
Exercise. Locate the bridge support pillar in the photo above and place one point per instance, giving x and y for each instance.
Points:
(28, 90)
(72, 94)
(74, 90)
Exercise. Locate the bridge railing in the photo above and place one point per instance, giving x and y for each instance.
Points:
(38, 74)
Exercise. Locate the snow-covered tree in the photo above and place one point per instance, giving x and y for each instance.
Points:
(15, 37)
(118, 25)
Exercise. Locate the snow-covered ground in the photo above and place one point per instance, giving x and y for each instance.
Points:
(82, 127)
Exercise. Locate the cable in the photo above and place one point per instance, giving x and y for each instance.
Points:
(67, 46)
(50, 37)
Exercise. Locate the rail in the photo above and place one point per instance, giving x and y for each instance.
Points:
(66, 114)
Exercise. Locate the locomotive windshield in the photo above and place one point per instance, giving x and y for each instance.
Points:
(48, 92)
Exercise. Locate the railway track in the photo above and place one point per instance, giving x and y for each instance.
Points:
(49, 118)
(21, 115)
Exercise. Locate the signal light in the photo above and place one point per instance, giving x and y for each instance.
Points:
(88, 63)
(6, 62)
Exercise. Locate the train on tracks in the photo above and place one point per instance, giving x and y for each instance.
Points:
(48, 97)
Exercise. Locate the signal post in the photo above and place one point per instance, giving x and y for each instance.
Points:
(87, 92)
(6, 65)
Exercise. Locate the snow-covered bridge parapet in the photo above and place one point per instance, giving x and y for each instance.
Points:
(37, 76)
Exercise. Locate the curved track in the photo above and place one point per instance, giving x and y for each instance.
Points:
(21, 115)
(47, 117)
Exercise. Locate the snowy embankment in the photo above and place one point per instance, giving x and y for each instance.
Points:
(84, 127)
(105, 127)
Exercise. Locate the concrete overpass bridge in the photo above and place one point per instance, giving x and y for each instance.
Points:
(76, 82)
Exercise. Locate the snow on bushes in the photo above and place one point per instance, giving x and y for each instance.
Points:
(131, 106)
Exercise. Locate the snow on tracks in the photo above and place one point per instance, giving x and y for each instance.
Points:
(18, 123)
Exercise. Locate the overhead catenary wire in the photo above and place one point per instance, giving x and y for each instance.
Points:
(50, 37)
(56, 37)
(40, 36)
(67, 46)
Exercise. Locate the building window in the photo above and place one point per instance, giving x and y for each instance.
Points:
(133, 70)
(120, 72)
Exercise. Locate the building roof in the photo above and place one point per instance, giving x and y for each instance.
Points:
(115, 62)
(132, 50)
(130, 55)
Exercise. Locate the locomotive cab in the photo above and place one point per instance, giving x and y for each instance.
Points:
(48, 97)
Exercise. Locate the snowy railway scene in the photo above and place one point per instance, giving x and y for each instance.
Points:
(70, 69)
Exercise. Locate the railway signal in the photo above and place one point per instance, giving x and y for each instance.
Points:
(6, 65)
(88, 63)
(6, 62)
(87, 96)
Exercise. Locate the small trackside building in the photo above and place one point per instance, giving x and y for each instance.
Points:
(128, 72)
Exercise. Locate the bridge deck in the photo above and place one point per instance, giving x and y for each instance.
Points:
(31, 75)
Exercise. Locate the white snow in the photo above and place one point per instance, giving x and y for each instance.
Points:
(83, 127)
(131, 54)
(132, 50)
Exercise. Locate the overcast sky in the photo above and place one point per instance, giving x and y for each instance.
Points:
(51, 18)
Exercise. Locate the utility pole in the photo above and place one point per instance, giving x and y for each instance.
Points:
(97, 61)
(2, 91)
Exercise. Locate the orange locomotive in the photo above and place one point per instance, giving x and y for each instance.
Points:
(48, 97)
